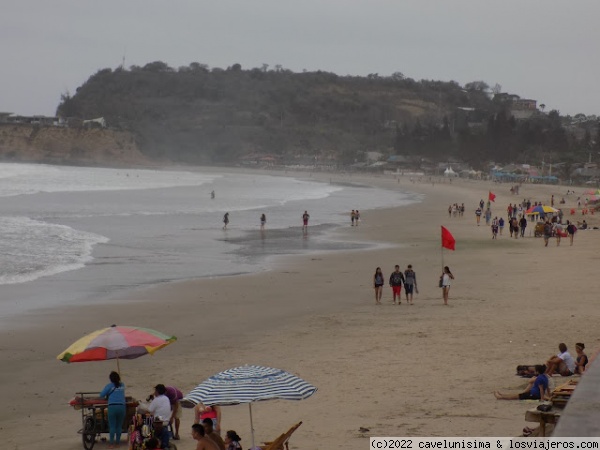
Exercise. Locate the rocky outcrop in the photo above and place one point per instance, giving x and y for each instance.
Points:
(73, 146)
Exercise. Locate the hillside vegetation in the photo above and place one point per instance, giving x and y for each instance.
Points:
(197, 115)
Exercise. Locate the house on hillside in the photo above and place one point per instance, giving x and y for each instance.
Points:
(519, 108)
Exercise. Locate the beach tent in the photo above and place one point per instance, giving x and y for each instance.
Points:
(450, 173)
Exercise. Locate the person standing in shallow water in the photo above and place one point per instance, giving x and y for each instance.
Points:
(225, 220)
(263, 221)
(378, 281)
(305, 218)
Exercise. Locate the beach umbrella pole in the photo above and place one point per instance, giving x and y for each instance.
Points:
(251, 424)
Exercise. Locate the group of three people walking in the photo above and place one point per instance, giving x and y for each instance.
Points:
(396, 281)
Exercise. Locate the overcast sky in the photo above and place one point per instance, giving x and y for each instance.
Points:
(540, 49)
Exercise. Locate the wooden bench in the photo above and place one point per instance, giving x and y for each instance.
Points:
(543, 418)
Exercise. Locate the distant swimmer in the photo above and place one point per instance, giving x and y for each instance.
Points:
(305, 218)
(263, 221)
(212, 194)
(225, 220)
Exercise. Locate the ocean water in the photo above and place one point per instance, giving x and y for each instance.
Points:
(72, 235)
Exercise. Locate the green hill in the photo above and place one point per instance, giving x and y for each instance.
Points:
(197, 115)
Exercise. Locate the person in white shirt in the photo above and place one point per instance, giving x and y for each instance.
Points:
(160, 406)
(562, 363)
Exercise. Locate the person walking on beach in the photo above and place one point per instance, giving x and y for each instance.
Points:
(212, 195)
(263, 221)
(357, 217)
(305, 218)
(225, 220)
(571, 231)
(478, 215)
(523, 225)
(378, 284)
(547, 232)
(446, 282)
(501, 224)
(114, 393)
(410, 284)
(495, 228)
(558, 232)
(514, 225)
(396, 281)
(352, 217)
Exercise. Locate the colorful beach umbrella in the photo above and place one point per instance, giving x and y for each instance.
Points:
(116, 342)
(248, 384)
(541, 209)
(592, 192)
(594, 198)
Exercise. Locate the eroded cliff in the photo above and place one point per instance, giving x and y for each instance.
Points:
(77, 146)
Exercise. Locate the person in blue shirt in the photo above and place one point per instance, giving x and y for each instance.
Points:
(537, 389)
(114, 393)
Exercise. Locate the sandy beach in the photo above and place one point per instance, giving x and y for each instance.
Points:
(421, 370)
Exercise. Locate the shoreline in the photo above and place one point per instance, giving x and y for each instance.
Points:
(397, 370)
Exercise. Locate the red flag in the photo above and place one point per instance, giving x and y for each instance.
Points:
(448, 240)
(492, 196)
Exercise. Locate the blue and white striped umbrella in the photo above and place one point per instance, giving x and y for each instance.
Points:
(248, 384)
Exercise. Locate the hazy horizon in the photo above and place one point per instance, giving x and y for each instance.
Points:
(539, 50)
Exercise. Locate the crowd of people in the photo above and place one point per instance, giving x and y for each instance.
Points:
(163, 409)
(550, 225)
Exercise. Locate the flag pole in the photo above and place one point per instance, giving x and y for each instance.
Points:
(442, 252)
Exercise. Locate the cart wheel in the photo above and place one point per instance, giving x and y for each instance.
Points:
(88, 434)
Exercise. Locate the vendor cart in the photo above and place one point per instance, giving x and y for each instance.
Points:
(94, 416)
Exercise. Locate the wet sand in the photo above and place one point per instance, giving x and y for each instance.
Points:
(421, 370)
